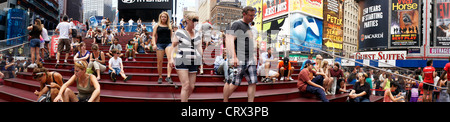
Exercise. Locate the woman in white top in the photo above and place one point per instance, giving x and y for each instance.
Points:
(188, 43)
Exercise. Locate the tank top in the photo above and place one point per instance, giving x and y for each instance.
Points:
(163, 35)
(85, 92)
(99, 55)
(386, 97)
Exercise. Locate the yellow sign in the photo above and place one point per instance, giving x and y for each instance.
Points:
(257, 4)
(311, 7)
(331, 44)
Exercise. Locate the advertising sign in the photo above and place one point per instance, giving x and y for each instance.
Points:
(54, 45)
(442, 20)
(333, 25)
(145, 4)
(381, 55)
(405, 23)
(374, 24)
(272, 8)
(257, 4)
(16, 26)
(309, 7)
(440, 51)
(305, 31)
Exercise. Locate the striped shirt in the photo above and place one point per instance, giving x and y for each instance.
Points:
(188, 47)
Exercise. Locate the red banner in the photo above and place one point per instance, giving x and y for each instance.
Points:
(54, 45)
(273, 8)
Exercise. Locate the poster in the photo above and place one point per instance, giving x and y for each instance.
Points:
(273, 8)
(93, 21)
(16, 26)
(333, 25)
(405, 23)
(257, 4)
(310, 7)
(305, 31)
(374, 25)
(275, 32)
(442, 21)
(54, 45)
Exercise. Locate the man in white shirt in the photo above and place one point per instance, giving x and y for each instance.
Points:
(103, 23)
(264, 66)
(130, 24)
(221, 65)
(63, 29)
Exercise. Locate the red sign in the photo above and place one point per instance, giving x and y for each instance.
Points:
(381, 55)
(273, 8)
(54, 45)
(440, 51)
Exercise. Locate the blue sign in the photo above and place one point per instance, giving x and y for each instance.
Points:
(16, 26)
(305, 31)
(93, 21)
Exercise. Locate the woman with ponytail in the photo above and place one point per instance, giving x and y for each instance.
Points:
(87, 86)
(50, 83)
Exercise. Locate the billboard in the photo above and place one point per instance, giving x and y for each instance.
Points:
(333, 25)
(145, 4)
(275, 32)
(374, 24)
(257, 4)
(442, 20)
(309, 7)
(305, 31)
(381, 55)
(405, 24)
(16, 26)
(272, 8)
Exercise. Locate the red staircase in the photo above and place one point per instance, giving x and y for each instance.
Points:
(143, 86)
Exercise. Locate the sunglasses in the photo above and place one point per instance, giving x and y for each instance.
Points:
(38, 75)
(195, 20)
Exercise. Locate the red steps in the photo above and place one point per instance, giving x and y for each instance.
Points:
(144, 88)
(19, 85)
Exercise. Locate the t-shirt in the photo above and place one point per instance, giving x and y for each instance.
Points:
(187, 47)
(63, 28)
(428, 73)
(72, 25)
(118, 47)
(337, 73)
(243, 44)
(115, 63)
(130, 22)
(447, 68)
(103, 22)
(359, 89)
(44, 34)
(302, 78)
(281, 64)
(264, 57)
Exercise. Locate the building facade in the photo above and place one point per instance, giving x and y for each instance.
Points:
(351, 27)
(98, 8)
(223, 13)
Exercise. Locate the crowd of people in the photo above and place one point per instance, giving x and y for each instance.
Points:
(182, 45)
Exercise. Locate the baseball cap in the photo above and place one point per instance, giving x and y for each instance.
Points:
(309, 62)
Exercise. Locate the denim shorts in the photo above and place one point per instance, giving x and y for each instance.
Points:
(115, 69)
(163, 46)
(191, 68)
(35, 43)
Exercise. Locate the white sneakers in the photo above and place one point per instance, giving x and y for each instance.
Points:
(290, 79)
(32, 65)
